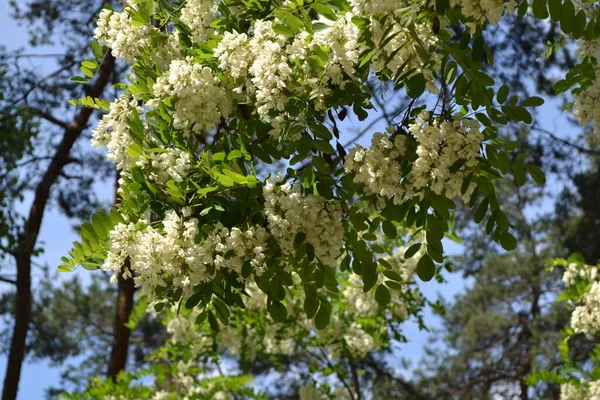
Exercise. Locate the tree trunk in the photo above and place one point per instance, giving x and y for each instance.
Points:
(120, 344)
(31, 230)
(19, 336)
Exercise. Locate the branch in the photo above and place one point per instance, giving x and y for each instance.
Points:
(6, 280)
(566, 142)
(48, 117)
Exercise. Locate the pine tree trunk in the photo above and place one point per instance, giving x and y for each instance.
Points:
(120, 344)
(19, 336)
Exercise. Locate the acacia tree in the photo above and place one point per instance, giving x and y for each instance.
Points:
(217, 89)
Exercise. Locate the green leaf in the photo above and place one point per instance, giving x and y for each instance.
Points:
(277, 311)
(87, 72)
(293, 22)
(321, 165)
(389, 229)
(536, 173)
(283, 30)
(79, 79)
(539, 9)
(554, 6)
(234, 155)
(579, 24)
(323, 146)
(481, 210)
(321, 131)
(311, 305)
(325, 11)
(97, 50)
(393, 275)
(508, 241)
(322, 317)
(425, 268)
(64, 268)
(415, 86)
(193, 300)
(382, 295)
(90, 64)
(134, 150)
(502, 94)
(299, 239)
(519, 173)
(412, 250)
(533, 101)
(567, 15)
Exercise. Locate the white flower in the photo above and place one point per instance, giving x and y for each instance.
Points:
(198, 15)
(111, 132)
(288, 213)
(116, 31)
(358, 341)
(484, 10)
(169, 164)
(172, 252)
(441, 144)
(376, 167)
(200, 100)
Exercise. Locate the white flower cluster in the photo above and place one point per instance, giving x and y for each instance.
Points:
(234, 55)
(341, 37)
(230, 248)
(200, 101)
(586, 315)
(198, 15)
(576, 271)
(116, 31)
(359, 342)
(182, 329)
(111, 132)
(587, 391)
(585, 106)
(172, 252)
(376, 166)
(440, 145)
(169, 164)
(481, 11)
(289, 212)
(359, 303)
(262, 64)
(270, 70)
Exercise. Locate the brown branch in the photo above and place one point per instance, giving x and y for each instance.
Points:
(6, 280)
(29, 237)
(48, 117)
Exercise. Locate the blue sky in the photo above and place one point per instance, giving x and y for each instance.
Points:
(57, 234)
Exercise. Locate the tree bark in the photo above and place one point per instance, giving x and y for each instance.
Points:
(120, 344)
(31, 230)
